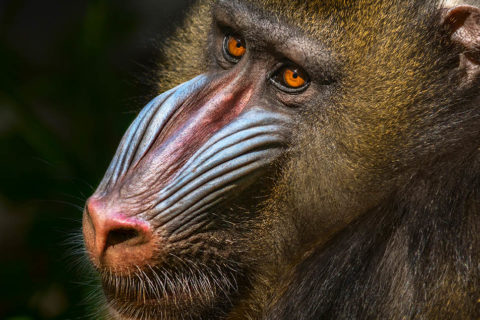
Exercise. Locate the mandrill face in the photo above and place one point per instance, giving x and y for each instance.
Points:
(159, 226)
(167, 227)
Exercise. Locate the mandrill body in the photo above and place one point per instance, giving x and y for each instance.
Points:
(306, 160)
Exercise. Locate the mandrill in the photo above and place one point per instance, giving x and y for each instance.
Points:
(313, 159)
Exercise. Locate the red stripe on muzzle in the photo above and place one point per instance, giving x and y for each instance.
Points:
(197, 118)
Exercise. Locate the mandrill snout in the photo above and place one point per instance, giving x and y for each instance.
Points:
(114, 241)
(188, 152)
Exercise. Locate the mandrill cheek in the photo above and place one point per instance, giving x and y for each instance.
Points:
(227, 163)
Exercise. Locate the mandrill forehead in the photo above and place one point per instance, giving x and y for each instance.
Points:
(264, 33)
(281, 19)
(339, 19)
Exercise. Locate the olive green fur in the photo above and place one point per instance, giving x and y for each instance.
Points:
(389, 123)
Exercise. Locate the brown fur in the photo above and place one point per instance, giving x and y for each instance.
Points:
(398, 119)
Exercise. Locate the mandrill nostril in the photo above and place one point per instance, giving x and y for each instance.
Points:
(123, 235)
(115, 240)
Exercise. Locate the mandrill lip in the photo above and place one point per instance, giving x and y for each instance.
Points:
(137, 292)
(151, 291)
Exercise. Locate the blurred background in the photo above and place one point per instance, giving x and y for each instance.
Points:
(73, 74)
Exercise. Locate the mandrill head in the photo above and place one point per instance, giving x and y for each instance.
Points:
(168, 227)
(187, 175)
(282, 122)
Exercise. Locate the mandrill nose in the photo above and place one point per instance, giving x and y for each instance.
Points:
(116, 241)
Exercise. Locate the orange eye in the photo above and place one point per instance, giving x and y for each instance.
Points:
(234, 47)
(291, 79)
(294, 78)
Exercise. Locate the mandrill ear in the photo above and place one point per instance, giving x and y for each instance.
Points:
(464, 24)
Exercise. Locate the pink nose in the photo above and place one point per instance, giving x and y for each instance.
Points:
(114, 240)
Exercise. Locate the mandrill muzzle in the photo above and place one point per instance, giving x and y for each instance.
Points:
(188, 150)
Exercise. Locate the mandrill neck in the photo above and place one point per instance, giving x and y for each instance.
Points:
(419, 248)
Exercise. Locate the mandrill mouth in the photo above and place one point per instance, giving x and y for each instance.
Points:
(150, 292)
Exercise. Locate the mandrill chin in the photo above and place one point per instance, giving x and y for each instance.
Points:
(303, 160)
